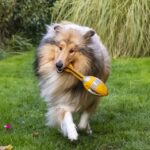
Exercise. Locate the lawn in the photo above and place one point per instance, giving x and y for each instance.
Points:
(122, 120)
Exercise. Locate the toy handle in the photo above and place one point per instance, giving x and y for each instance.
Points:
(71, 70)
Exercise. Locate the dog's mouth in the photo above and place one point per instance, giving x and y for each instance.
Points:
(59, 70)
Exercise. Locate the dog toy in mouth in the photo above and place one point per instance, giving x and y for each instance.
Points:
(91, 83)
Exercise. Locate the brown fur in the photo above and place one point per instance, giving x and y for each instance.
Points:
(64, 93)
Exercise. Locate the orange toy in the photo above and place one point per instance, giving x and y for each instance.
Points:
(91, 83)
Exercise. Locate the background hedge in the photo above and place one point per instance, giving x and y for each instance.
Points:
(123, 25)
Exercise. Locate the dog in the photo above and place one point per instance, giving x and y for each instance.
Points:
(66, 43)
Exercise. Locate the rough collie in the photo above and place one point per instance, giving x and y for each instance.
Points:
(66, 43)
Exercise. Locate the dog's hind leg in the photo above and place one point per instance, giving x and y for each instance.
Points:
(84, 119)
(68, 128)
(84, 123)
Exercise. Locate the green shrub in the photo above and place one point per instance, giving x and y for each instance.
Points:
(124, 26)
(28, 17)
(3, 54)
(6, 13)
(15, 45)
(18, 43)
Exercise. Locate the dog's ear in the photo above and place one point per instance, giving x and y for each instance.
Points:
(57, 28)
(47, 27)
(88, 34)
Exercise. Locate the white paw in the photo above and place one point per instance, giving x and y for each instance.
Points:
(89, 131)
(85, 127)
(72, 132)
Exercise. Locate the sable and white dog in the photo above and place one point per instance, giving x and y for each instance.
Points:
(66, 43)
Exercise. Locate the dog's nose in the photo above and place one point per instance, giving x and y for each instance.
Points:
(59, 64)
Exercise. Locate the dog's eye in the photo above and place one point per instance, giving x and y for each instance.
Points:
(60, 48)
(71, 51)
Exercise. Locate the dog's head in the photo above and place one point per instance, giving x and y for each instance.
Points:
(69, 42)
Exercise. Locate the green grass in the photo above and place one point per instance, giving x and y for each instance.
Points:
(122, 120)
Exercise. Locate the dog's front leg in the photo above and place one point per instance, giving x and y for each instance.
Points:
(68, 127)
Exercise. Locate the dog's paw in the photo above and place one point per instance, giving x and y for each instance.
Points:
(85, 128)
(72, 132)
(89, 131)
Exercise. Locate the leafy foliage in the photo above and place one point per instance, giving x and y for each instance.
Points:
(22, 23)
(15, 45)
(6, 13)
(123, 25)
(3, 54)
(19, 43)
(28, 17)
